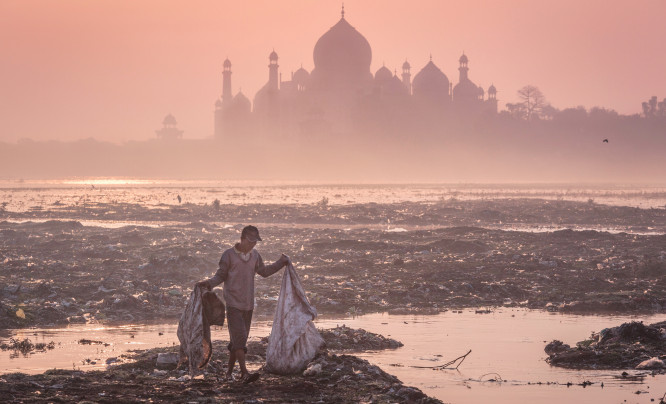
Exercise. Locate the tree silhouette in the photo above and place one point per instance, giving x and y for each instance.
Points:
(533, 101)
(654, 108)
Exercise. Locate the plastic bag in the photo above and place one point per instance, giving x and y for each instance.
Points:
(202, 310)
(294, 339)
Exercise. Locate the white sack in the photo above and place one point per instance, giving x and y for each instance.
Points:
(294, 340)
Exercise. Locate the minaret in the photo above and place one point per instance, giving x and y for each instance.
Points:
(273, 71)
(492, 98)
(407, 77)
(226, 82)
(463, 69)
(492, 92)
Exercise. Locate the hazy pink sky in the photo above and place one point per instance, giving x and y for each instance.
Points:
(112, 69)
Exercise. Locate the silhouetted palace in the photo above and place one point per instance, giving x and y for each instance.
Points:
(341, 95)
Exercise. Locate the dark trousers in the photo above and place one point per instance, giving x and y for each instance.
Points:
(238, 322)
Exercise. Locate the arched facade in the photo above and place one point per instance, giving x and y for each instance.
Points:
(341, 84)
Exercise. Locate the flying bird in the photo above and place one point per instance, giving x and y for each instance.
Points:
(605, 140)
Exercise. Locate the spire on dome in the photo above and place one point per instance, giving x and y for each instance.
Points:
(343, 11)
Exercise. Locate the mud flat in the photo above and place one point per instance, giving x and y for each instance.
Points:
(137, 377)
(353, 259)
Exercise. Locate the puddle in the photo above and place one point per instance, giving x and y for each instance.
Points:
(506, 342)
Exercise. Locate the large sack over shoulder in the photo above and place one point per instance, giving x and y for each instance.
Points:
(294, 340)
(202, 310)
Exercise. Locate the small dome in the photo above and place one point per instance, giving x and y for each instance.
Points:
(431, 82)
(273, 56)
(463, 58)
(406, 65)
(465, 90)
(394, 86)
(227, 63)
(169, 120)
(383, 74)
(492, 89)
(481, 91)
(240, 100)
(218, 103)
(301, 76)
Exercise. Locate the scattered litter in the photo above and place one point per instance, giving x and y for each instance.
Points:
(652, 363)
(166, 359)
(25, 346)
(621, 347)
(84, 341)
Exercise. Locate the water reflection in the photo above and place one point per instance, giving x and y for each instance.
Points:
(21, 197)
(506, 364)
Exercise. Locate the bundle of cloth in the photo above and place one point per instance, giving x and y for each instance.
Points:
(203, 309)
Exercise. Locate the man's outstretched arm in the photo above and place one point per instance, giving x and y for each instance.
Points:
(268, 270)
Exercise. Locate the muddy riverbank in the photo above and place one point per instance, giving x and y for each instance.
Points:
(332, 377)
(400, 258)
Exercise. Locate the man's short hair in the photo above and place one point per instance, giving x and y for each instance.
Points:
(250, 230)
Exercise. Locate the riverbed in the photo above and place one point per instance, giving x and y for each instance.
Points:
(506, 364)
(117, 253)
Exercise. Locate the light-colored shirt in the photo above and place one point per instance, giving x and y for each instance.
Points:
(237, 271)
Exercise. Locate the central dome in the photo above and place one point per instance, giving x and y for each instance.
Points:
(342, 57)
(342, 46)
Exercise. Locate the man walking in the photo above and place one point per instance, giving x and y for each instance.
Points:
(237, 268)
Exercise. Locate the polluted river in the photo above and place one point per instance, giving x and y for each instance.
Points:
(506, 364)
(94, 269)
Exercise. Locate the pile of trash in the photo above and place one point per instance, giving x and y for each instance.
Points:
(631, 345)
(153, 374)
(25, 346)
(337, 370)
(355, 339)
(57, 272)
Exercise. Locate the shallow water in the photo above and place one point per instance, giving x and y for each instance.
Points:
(506, 344)
(22, 196)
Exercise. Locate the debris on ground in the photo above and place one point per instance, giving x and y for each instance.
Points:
(632, 345)
(344, 338)
(330, 378)
(25, 346)
(57, 271)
